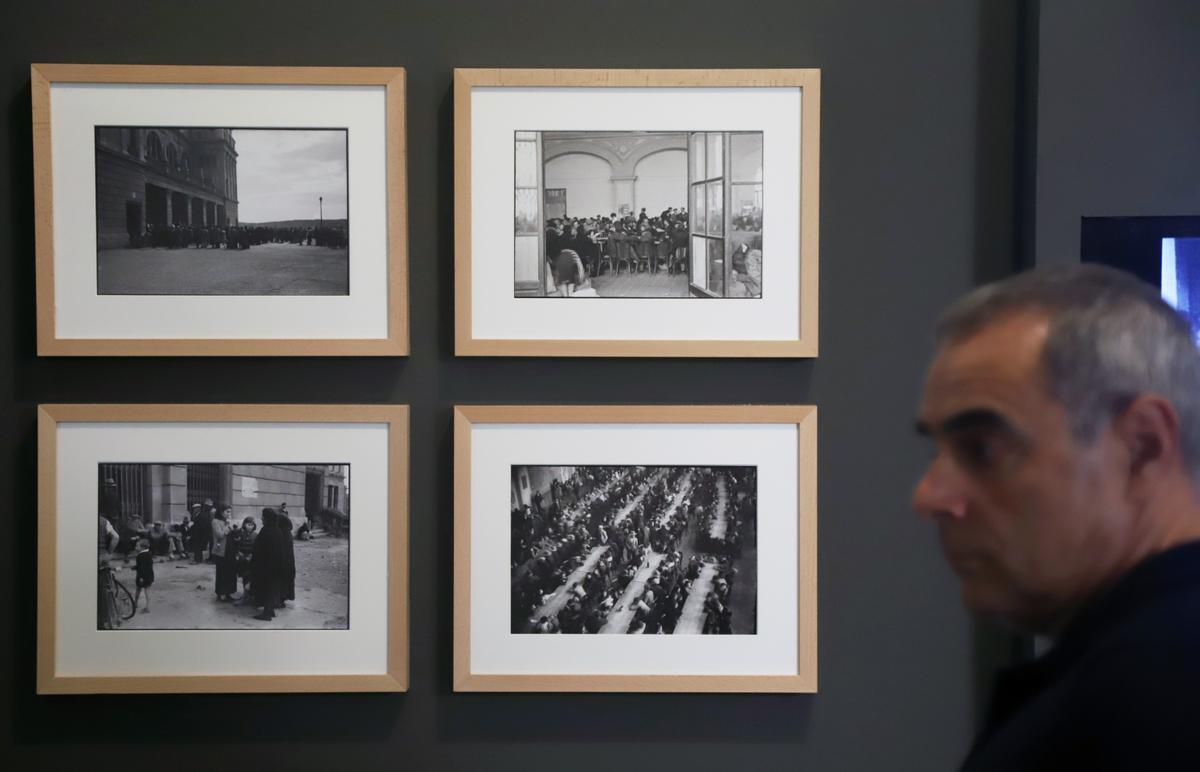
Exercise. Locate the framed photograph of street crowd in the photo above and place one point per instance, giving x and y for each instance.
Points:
(224, 554)
(220, 210)
(678, 208)
(643, 548)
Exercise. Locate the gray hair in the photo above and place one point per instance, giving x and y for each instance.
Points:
(1111, 338)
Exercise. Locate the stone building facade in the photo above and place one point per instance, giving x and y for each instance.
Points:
(165, 492)
(162, 177)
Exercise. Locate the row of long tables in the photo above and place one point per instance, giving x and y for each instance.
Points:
(646, 486)
(720, 523)
(621, 616)
(555, 602)
(691, 619)
(675, 502)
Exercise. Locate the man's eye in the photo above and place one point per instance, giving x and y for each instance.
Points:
(976, 450)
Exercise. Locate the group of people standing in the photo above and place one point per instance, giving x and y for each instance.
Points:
(264, 559)
(237, 236)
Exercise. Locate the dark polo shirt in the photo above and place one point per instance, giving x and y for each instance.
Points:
(1120, 690)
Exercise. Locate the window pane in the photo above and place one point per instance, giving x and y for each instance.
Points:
(527, 210)
(745, 241)
(527, 259)
(526, 135)
(716, 266)
(745, 157)
(716, 163)
(696, 154)
(716, 209)
(698, 208)
(527, 164)
(699, 270)
(745, 209)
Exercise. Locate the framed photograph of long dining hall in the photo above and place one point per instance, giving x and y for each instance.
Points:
(641, 549)
(222, 548)
(191, 210)
(636, 212)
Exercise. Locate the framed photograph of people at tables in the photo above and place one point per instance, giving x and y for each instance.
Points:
(641, 548)
(244, 211)
(210, 548)
(636, 212)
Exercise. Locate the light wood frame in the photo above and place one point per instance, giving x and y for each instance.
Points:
(395, 679)
(805, 419)
(43, 76)
(808, 80)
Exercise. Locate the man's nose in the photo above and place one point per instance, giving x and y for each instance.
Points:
(939, 492)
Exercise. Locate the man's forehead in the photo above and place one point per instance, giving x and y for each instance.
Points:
(996, 368)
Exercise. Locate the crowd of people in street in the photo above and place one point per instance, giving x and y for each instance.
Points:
(262, 556)
(647, 520)
(238, 236)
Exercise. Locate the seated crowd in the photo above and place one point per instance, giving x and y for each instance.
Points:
(657, 243)
(630, 515)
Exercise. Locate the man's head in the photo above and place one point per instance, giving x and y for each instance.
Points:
(1064, 405)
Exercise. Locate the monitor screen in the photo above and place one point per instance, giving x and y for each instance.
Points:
(1164, 251)
(1180, 283)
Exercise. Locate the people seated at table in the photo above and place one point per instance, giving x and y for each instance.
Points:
(588, 238)
(574, 558)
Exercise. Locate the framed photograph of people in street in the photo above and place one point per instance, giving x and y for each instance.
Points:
(222, 548)
(185, 210)
(636, 212)
(641, 549)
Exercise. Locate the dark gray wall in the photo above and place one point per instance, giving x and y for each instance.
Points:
(1118, 115)
(917, 204)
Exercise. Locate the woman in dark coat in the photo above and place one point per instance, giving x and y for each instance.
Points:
(287, 577)
(201, 533)
(266, 566)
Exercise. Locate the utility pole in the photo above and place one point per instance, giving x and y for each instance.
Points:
(321, 204)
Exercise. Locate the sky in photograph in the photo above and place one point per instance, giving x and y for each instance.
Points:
(282, 172)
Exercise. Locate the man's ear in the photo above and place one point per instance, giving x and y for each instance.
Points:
(1148, 428)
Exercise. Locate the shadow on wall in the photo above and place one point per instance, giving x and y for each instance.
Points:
(654, 718)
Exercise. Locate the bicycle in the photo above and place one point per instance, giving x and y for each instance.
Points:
(116, 600)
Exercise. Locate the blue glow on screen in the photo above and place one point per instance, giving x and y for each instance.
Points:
(1180, 284)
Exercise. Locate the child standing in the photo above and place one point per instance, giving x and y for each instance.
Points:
(144, 565)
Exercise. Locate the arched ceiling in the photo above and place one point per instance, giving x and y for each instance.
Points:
(622, 149)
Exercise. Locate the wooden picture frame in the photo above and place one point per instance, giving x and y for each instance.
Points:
(386, 309)
(472, 342)
(469, 417)
(392, 633)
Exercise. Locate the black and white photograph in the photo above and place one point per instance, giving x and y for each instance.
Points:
(186, 546)
(638, 214)
(221, 211)
(668, 550)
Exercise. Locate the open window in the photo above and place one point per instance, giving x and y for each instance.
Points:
(530, 265)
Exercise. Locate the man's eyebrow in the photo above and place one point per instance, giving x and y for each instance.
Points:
(973, 418)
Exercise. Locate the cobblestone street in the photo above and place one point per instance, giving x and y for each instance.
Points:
(264, 269)
(182, 597)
